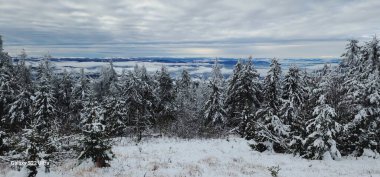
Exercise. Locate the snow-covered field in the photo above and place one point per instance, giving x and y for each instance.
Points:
(166, 157)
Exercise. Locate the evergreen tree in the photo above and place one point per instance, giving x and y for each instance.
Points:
(364, 127)
(352, 55)
(269, 130)
(231, 104)
(44, 101)
(95, 144)
(80, 95)
(106, 78)
(244, 98)
(322, 130)
(64, 100)
(20, 112)
(34, 143)
(187, 118)
(115, 113)
(7, 86)
(214, 112)
(362, 112)
(139, 101)
(293, 98)
(44, 111)
(371, 54)
(23, 73)
(165, 110)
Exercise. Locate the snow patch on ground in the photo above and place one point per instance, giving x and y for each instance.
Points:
(171, 157)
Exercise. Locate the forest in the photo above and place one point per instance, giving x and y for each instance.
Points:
(326, 113)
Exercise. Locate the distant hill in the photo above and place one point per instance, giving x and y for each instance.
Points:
(199, 67)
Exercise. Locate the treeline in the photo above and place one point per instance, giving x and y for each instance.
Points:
(321, 114)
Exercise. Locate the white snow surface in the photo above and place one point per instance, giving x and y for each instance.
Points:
(172, 157)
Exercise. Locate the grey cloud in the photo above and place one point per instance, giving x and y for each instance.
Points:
(291, 28)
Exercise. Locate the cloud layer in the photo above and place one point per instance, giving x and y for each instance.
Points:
(227, 28)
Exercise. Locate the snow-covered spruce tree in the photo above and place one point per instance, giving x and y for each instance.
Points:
(186, 124)
(231, 104)
(352, 55)
(371, 54)
(245, 98)
(95, 144)
(106, 78)
(364, 127)
(45, 115)
(149, 99)
(23, 72)
(214, 112)
(20, 112)
(268, 129)
(310, 81)
(115, 114)
(44, 110)
(331, 85)
(165, 109)
(322, 130)
(7, 87)
(81, 93)
(64, 99)
(361, 86)
(33, 143)
(139, 101)
(293, 97)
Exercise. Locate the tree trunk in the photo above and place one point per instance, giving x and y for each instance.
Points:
(100, 162)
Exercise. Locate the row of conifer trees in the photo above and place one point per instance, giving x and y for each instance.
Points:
(318, 114)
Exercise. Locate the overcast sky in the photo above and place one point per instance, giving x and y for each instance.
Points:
(212, 28)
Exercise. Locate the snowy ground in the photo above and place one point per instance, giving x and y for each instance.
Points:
(166, 157)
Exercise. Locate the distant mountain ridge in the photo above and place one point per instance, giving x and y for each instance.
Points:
(200, 66)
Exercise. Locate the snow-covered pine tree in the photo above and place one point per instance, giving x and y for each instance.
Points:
(81, 93)
(310, 81)
(139, 97)
(293, 94)
(115, 112)
(44, 110)
(65, 84)
(44, 101)
(371, 54)
(268, 129)
(95, 144)
(361, 87)
(214, 112)
(165, 109)
(184, 85)
(115, 115)
(106, 78)
(44, 121)
(245, 97)
(149, 99)
(7, 86)
(186, 122)
(33, 142)
(20, 112)
(82, 88)
(23, 72)
(364, 127)
(231, 104)
(352, 55)
(322, 130)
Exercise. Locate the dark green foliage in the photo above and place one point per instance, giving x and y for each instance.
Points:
(95, 144)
